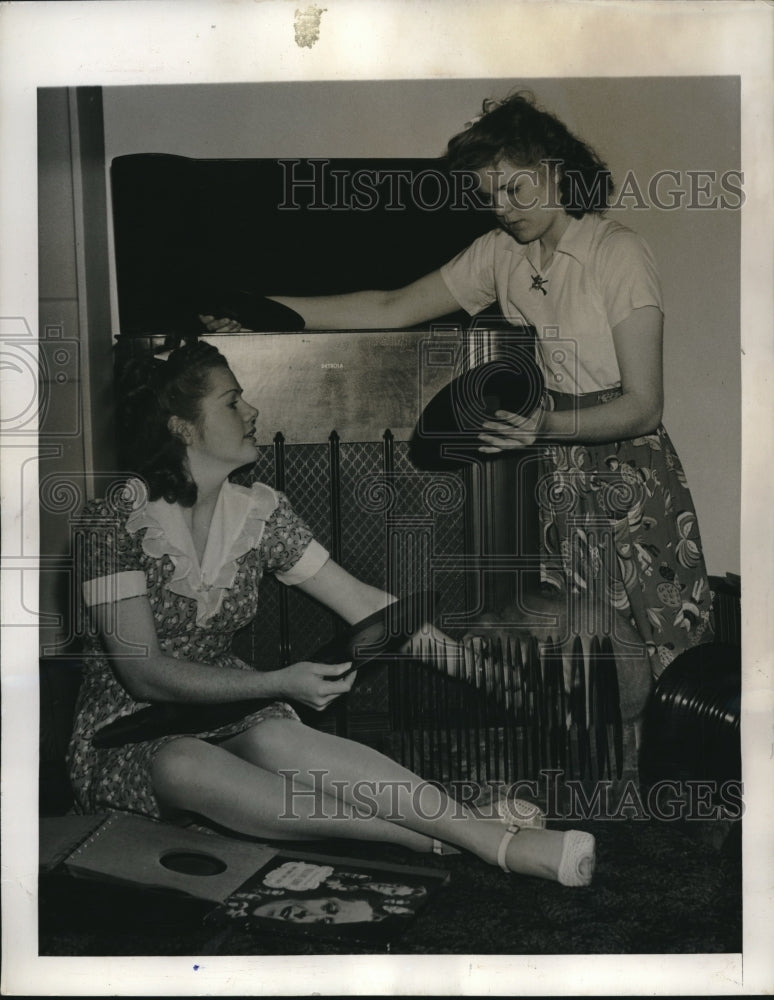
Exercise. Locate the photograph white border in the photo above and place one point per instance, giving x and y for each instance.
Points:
(100, 43)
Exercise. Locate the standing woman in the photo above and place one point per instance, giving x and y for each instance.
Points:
(171, 570)
(617, 520)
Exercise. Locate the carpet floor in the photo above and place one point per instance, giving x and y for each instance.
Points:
(659, 888)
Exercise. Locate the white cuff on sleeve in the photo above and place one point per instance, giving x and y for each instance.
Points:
(311, 562)
(116, 587)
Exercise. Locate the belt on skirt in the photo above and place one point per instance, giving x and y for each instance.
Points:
(553, 400)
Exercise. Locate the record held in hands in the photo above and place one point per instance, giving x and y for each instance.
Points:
(254, 312)
(446, 435)
(381, 634)
(375, 638)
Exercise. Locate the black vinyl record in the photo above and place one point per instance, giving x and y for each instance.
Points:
(692, 723)
(254, 312)
(379, 635)
(447, 432)
(172, 719)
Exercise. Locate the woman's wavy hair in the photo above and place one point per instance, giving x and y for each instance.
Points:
(519, 131)
(150, 391)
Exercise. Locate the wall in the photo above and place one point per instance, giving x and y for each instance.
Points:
(645, 125)
(76, 431)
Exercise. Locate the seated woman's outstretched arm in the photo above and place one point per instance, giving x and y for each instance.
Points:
(354, 600)
(343, 593)
(129, 635)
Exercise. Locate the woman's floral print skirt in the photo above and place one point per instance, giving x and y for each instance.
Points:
(617, 522)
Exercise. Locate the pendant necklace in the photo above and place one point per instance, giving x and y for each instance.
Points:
(538, 281)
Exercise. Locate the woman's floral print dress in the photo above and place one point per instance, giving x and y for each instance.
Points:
(618, 522)
(134, 547)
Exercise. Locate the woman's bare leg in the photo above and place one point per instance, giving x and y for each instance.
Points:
(343, 770)
(190, 775)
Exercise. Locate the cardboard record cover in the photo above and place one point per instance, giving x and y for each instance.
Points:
(144, 853)
(309, 895)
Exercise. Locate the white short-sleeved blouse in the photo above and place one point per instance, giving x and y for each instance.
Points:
(601, 271)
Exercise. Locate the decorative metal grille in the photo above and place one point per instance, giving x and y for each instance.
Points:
(506, 715)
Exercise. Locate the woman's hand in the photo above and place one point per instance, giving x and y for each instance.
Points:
(315, 685)
(430, 643)
(222, 325)
(510, 431)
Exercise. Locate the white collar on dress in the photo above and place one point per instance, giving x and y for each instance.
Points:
(238, 523)
(575, 241)
(577, 238)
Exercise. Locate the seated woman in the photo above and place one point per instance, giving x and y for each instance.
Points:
(172, 569)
